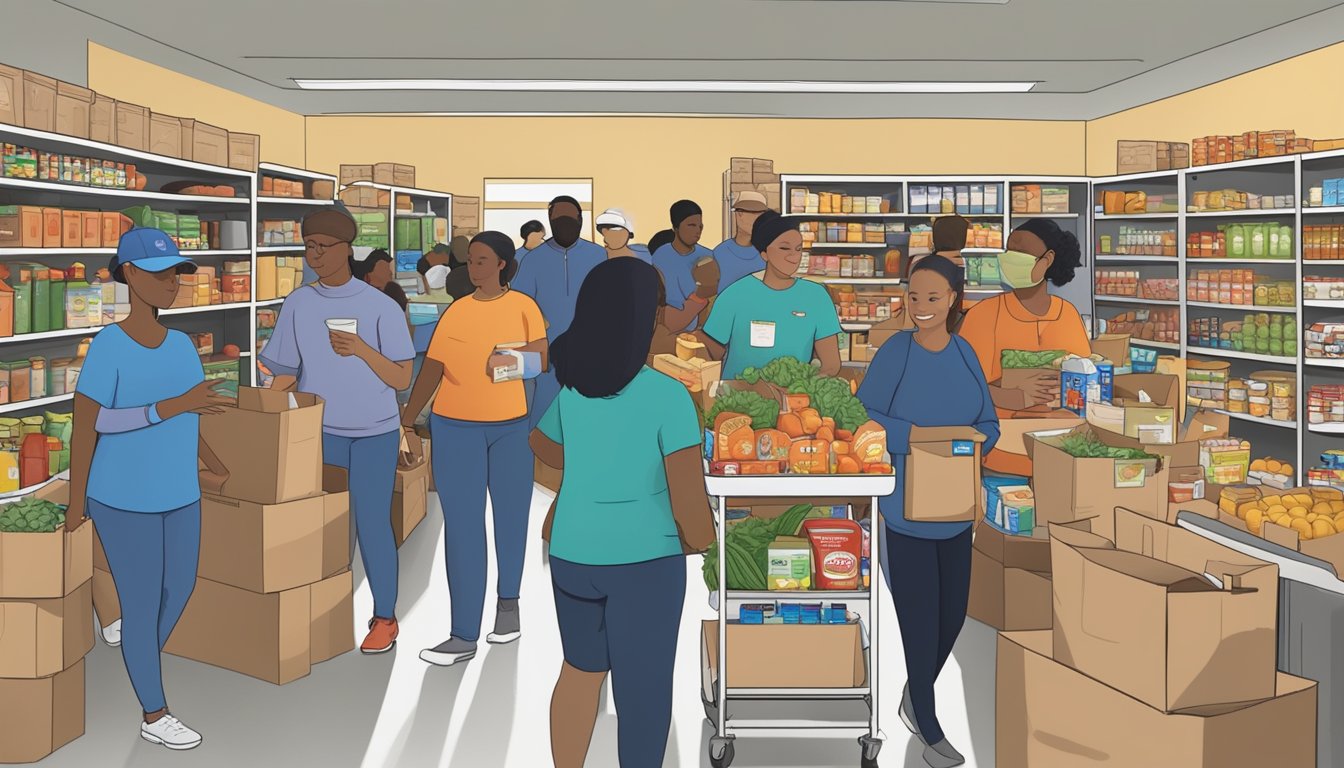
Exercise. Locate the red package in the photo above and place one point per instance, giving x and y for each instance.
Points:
(836, 545)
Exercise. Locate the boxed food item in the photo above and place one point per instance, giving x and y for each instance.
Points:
(942, 474)
(38, 717)
(244, 151)
(42, 637)
(789, 564)
(45, 564)
(262, 547)
(165, 135)
(1148, 156)
(271, 443)
(131, 123)
(1164, 615)
(767, 656)
(72, 110)
(393, 174)
(209, 145)
(1301, 519)
(836, 547)
(39, 102)
(1051, 716)
(11, 95)
(1085, 473)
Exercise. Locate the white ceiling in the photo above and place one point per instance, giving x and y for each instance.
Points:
(1089, 57)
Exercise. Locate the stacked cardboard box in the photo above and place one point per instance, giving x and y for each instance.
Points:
(1147, 156)
(1164, 634)
(274, 594)
(391, 174)
(466, 216)
(410, 494)
(46, 629)
(1209, 150)
(754, 175)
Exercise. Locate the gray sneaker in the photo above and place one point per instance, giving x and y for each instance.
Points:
(908, 711)
(449, 652)
(943, 755)
(507, 625)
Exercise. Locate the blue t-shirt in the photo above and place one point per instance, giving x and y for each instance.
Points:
(552, 276)
(358, 403)
(677, 277)
(736, 262)
(642, 252)
(758, 323)
(614, 506)
(153, 469)
(907, 385)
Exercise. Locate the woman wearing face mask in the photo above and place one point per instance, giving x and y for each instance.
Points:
(1028, 318)
(928, 377)
(773, 314)
(688, 268)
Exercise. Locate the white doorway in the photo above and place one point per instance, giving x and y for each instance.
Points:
(511, 203)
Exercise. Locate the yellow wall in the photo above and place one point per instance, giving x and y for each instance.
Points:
(645, 163)
(1292, 94)
(129, 79)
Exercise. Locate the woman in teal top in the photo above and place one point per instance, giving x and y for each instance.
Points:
(631, 505)
(774, 314)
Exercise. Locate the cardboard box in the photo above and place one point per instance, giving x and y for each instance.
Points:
(1070, 489)
(1329, 549)
(273, 454)
(39, 102)
(1008, 598)
(331, 617)
(11, 95)
(1048, 715)
(244, 151)
(262, 547)
(352, 173)
(766, 656)
(410, 499)
(102, 119)
(209, 145)
(1112, 346)
(262, 636)
(323, 189)
(1013, 431)
(39, 638)
(1148, 156)
(131, 124)
(45, 565)
(1160, 631)
(38, 717)
(943, 475)
(335, 531)
(394, 174)
(740, 170)
(73, 104)
(165, 135)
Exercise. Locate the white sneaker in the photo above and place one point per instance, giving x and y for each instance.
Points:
(112, 633)
(170, 732)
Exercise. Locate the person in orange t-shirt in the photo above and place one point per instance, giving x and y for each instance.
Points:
(484, 345)
(1027, 318)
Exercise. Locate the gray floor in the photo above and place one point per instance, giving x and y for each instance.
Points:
(394, 710)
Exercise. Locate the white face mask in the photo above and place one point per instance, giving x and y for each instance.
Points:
(437, 277)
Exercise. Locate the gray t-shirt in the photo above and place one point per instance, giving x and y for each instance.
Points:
(358, 403)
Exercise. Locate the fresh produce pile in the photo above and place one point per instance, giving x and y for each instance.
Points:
(764, 412)
(1089, 447)
(31, 515)
(782, 372)
(833, 399)
(1314, 512)
(748, 544)
(1021, 358)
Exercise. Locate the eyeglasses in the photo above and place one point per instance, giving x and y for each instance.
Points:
(319, 248)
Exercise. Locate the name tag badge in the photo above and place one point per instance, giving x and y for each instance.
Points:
(762, 334)
(799, 314)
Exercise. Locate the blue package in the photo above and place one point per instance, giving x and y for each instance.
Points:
(991, 487)
(838, 613)
(811, 613)
(1143, 360)
(1106, 376)
(963, 448)
(864, 570)
(791, 613)
(755, 613)
(709, 445)
(407, 260)
(1330, 193)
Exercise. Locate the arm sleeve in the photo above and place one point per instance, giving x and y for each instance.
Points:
(877, 392)
(113, 421)
(719, 326)
(977, 328)
(533, 322)
(987, 423)
(828, 321)
(281, 355)
(98, 376)
(394, 335)
(438, 342)
(680, 428)
(550, 423)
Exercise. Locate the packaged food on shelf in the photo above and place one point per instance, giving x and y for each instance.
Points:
(1325, 405)
(841, 203)
(1121, 202)
(1161, 325)
(19, 162)
(1262, 333)
(1303, 519)
(1322, 288)
(1211, 150)
(1321, 242)
(1236, 200)
(965, 199)
(1138, 241)
(1324, 341)
(1327, 194)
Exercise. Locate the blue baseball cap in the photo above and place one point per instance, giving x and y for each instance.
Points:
(151, 250)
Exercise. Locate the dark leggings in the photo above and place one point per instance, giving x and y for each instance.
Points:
(930, 581)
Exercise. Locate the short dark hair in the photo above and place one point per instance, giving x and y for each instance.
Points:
(361, 269)
(530, 228)
(423, 266)
(1068, 254)
(769, 227)
(503, 247)
(663, 237)
(397, 294)
(565, 199)
(956, 280)
(683, 210)
(608, 342)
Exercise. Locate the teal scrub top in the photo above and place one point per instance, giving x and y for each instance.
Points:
(614, 507)
(758, 324)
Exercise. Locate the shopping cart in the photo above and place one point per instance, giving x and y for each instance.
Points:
(796, 712)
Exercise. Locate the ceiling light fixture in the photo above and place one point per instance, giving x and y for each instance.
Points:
(665, 86)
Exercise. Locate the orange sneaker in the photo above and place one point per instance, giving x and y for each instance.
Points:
(382, 636)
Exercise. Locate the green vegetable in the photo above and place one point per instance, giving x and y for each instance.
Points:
(748, 547)
(764, 413)
(1021, 358)
(782, 372)
(31, 515)
(832, 398)
(1089, 447)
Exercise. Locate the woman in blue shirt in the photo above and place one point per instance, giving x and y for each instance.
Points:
(683, 262)
(631, 506)
(928, 377)
(134, 466)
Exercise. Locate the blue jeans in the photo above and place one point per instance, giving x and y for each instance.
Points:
(625, 618)
(470, 458)
(372, 466)
(930, 581)
(153, 558)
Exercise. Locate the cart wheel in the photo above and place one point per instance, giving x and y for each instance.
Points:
(871, 747)
(720, 752)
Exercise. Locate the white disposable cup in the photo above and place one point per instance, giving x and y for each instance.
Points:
(343, 325)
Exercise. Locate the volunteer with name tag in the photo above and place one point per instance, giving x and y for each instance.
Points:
(772, 314)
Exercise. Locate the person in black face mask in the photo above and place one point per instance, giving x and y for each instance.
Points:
(552, 274)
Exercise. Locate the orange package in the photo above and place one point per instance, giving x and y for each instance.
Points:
(870, 443)
(734, 439)
(772, 445)
(809, 457)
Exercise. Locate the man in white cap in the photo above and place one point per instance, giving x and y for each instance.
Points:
(617, 230)
(735, 256)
